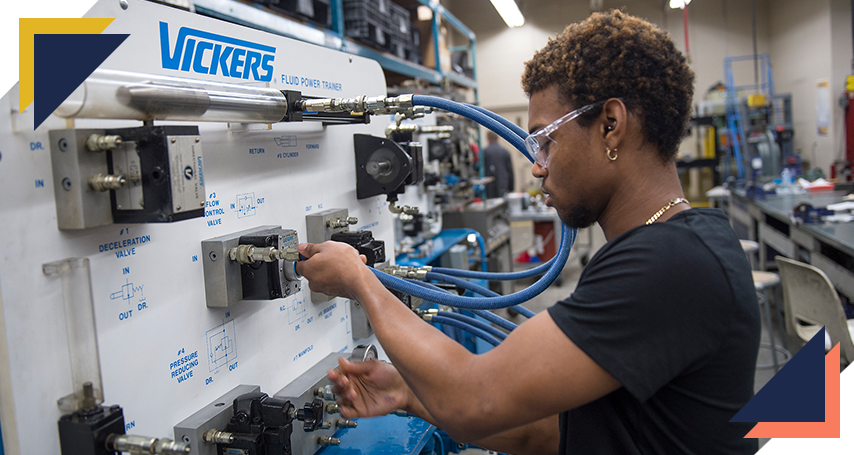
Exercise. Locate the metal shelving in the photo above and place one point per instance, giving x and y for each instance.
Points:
(256, 16)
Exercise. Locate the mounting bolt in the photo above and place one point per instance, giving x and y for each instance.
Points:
(123, 4)
(63, 145)
(66, 184)
(213, 256)
(173, 140)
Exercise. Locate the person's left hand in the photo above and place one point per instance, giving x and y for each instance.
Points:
(333, 268)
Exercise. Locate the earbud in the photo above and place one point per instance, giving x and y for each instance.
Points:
(609, 128)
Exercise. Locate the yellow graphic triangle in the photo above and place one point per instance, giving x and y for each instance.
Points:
(49, 26)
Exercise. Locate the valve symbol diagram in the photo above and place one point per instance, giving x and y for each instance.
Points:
(128, 292)
(222, 346)
(245, 205)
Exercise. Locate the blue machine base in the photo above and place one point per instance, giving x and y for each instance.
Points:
(383, 435)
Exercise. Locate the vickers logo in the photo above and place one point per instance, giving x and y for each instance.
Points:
(208, 53)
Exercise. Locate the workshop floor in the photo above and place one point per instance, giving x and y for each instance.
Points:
(571, 274)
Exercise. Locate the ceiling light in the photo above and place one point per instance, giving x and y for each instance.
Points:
(679, 4)
(509, 11)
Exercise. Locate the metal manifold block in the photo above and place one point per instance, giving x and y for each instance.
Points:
(254, 264)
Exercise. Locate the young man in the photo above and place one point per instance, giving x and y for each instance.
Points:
(656, 348)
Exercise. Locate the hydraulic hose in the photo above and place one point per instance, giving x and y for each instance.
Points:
(473, 114)
(474, 323)
(510, 125)
(477, 289)
(468, 328)
(481, 303)
(508, 276)
(496, 319)
(486, 314)
(482, 246)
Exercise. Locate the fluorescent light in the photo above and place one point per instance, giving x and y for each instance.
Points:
(509, 11)
(679, 4)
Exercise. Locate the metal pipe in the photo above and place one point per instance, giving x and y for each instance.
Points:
(137, 96)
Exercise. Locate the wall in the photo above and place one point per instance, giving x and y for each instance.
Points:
(841, 57)
(801, 55)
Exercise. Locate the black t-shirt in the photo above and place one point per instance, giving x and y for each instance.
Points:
(670, 311)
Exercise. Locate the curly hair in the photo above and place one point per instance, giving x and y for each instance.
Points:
(615, 55)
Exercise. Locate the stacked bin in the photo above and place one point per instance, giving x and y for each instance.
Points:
(367, 21)
(382, 25)
(315, 11)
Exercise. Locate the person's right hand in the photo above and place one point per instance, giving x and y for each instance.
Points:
(369, 388)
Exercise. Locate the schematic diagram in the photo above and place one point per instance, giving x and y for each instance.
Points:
(245, 205)
(286, 141)
(128, 292)
(296, 310)
(222, 346)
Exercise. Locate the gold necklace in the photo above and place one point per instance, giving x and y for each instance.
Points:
(658, 214)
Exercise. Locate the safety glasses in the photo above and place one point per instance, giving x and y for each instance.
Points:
(539, 143)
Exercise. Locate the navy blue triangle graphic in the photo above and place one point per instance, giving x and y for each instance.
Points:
(795, 393)
(62, 63)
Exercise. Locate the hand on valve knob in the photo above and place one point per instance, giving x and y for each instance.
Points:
(333, 268)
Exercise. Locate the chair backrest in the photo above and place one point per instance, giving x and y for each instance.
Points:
(810, 296)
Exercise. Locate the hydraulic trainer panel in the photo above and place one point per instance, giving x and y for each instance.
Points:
(163, 251)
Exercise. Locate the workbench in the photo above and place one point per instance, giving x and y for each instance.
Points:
(828, 246)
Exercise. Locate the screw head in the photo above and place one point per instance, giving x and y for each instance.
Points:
(186, 439)
(178, 208)
(63, 145)
(124, 5)
(201, 203)
(173, 140)
(213, 256)
(66, 184)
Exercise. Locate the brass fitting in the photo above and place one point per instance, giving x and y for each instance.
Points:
(328, 441)
(101, 143)
(215, 436)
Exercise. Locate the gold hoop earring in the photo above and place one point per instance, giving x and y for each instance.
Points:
(608, 152)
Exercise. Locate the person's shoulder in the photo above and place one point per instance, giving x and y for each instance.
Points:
(693, 235)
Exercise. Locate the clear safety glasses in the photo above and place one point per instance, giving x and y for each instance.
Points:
(538, 144)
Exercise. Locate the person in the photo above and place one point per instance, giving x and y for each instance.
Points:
(655, 350)
(497, 164)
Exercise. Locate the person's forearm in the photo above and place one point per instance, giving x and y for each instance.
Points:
(428, 361)
(536, 438)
